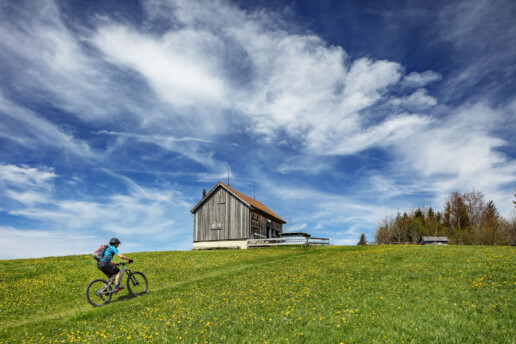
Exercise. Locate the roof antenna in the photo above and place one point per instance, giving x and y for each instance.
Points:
(254, 191)
(228, 175)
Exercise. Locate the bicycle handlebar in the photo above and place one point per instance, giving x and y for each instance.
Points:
(124, 263)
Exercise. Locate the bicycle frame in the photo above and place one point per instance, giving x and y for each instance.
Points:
(123, 270)
(112, 278)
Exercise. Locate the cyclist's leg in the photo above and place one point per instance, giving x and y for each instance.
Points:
(117, 279)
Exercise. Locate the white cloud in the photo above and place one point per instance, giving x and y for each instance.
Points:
(295, 228)
(194, 148)
(380, 135)
(25, 185)
(32, 130)
(177, 65)
(460, 152)
(28, 243)
(460, 143)
(386, 187)
(26, 177)
(50, 62)
(325, 207)
(304, 163)
(28, 198)
(344, 242)
(307, 90)
(141, 213)
(480, 35)
(416, 101)
(417, 80)
(277, 82)
(370, 78)
(286, 83)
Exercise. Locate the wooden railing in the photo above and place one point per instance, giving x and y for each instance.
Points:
(288, 241)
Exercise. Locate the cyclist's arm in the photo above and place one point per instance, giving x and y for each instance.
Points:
(123, 257)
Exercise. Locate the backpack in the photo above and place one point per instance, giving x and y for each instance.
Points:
(99, 252)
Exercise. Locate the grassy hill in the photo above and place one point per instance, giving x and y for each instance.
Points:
(277, 295)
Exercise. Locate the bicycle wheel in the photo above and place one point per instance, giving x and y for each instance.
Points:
(137, 283)
(98, 292)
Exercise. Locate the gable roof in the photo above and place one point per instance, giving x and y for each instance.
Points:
(250, 202)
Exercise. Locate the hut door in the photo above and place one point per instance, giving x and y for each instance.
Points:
(255, 224)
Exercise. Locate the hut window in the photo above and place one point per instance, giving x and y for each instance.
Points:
(222, 197)
(255, 223)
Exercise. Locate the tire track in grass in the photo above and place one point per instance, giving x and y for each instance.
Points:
(119, 304)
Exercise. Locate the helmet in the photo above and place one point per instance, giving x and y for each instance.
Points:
(114, 242)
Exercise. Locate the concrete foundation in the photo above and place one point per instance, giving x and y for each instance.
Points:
(206, 245)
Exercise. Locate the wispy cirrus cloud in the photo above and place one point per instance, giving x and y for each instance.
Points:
(482, 35)
(420, 100)
(47, 57)
(194, 148)
(24, 185)
(139, 214)
(33, 131)
(25, 243)
(189, 88)
(458, 152)
(26, 177)
(416, 79)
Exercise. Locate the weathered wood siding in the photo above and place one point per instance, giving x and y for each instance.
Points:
(261, 228)
(221, 217)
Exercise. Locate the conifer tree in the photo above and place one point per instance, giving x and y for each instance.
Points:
(432, 226)
(491, 227)
(362, 240)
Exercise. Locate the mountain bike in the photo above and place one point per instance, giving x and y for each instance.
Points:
(99, 292)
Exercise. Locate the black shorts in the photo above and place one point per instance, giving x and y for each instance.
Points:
(108, 268)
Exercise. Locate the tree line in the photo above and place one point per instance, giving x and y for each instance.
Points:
(466, 219)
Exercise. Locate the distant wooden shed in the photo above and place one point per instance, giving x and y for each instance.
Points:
(434, 240)
(226, 217)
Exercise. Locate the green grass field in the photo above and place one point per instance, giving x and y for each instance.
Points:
(385, 294)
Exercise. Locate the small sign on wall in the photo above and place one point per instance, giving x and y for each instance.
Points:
(216, 226)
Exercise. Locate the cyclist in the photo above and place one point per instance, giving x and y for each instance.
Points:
(109, 268)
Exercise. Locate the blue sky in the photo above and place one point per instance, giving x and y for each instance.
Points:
(115, 115)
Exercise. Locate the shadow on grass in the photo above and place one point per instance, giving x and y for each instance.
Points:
(127, 297)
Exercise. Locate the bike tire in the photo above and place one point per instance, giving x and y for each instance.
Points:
(137, 283)
(94, 294)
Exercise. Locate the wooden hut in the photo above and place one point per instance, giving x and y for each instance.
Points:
(226, 218)
(433, 240)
